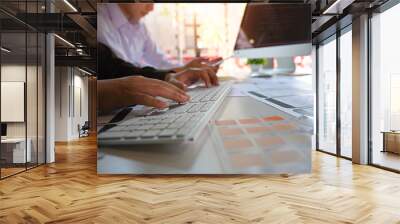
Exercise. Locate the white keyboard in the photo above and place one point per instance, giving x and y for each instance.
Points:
(179, 123)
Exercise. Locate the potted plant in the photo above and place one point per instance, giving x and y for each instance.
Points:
(256, 64)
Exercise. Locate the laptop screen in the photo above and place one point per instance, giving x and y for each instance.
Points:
(270, 24)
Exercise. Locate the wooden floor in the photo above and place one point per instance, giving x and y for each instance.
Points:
(70, 191)
(5, 172)
(387, 159)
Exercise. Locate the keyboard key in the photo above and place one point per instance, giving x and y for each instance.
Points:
(177, 124)
(195, 118)
(195, 108)
(135, 134)
(150, 134)
(183, 131)
(167, 132)
(132, 122)
(160, 126)
(168, 120)
(118, 128)
(143, 127)
(184, 118)
(153, 121)
(215, 97)
(206, 107)
(182, 109)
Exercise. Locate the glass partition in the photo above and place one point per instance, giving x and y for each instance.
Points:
(22, 90)
(14, 143)
(346, 93)
(327, 96)
(31, 99)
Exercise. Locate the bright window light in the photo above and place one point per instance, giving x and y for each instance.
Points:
(70, 5)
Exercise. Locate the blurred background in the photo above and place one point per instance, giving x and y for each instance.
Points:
(186, 30)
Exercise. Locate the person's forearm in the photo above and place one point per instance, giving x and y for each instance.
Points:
(109, 96)
(179, 69)
(112, 67)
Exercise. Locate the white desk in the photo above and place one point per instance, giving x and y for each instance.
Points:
(17, 147)
(201, 157)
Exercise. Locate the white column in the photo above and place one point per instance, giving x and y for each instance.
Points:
(360, 90)
(50, 99)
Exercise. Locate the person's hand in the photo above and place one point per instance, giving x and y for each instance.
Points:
(198, 62)
(190, 76)
(198, 68)
(201, 62)
(122, 92)
(213, 61)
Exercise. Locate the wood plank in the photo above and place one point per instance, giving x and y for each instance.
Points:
(70, 191)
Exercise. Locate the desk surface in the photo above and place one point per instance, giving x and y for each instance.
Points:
(13, 140)
(204, 156)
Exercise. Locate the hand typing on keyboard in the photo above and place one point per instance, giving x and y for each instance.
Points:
(205, 72)
(126, 91)
(180, 122)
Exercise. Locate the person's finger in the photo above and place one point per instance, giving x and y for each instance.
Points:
(213, 66)
(213, 76)
(199, 61)
(185, 77)
(148, 100)
(215, 60)
(178, 84)
(204, 76)
(169, 91)
(211, 73)
(155, 83)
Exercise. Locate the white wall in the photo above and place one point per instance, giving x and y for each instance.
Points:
(12, 99)
(80, 111)
(16, 73)
(61, 103)
(70, 83)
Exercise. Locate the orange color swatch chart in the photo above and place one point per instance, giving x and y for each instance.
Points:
(254, 144)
